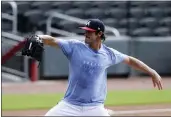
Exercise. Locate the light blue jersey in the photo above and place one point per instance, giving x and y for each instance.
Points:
(88, 71)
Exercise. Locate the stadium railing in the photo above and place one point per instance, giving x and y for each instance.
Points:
(55, 14)
(12, 61)
(12, 17)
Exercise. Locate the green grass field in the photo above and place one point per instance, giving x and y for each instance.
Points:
(46, 101)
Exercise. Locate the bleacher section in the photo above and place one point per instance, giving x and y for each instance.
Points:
(143, 18)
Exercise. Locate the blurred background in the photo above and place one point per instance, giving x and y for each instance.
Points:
(138, 28)
(141, 29)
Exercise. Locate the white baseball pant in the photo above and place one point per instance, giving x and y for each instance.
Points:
(64, 108)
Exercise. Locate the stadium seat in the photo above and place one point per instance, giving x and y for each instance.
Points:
(161, 4)
(167, 11)
(133, 23)
(79, 31)
(142, 32)
(155, 12)
(55, 23)
(149, 22)
(138, 4)
(24, 25)
(35, 16)
(76, 13)
(117, 13)
(134, 17)
(5, 47)
(123, 23)
(101, 4)
(62, 5)
(54, 10)
(111, 22)
(82, 5)
(42, 25)
(151, 4)
(165, 22)
(6, 8)
(118, 4)
(123, 31)
(6, 25)
(137, 13)
(162, 31)
(157, 4)
(67, 25)
(95, 13)
(42, 5)
(23, 6)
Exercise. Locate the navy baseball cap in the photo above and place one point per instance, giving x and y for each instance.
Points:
(94, 25)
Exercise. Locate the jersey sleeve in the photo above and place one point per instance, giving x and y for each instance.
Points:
(116, 56)
(66, 46)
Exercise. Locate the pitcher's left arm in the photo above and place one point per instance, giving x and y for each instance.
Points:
(139, 65)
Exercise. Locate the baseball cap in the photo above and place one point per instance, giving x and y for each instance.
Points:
(94, 25)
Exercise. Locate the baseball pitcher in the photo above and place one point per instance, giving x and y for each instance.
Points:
(88, 63)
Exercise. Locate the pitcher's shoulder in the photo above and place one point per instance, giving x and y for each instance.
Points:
(107, 48)
(77, 41)
(111, 50)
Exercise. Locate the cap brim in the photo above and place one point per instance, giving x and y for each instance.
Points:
(87, 28)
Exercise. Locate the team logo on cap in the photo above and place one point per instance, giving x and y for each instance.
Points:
(88, 23)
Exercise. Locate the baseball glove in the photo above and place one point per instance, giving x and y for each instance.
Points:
(33, 47)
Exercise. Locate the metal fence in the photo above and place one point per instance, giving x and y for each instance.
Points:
(16, 65)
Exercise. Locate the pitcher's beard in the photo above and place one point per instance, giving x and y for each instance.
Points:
(88, 41)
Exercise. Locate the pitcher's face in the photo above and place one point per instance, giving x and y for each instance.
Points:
(90, 37)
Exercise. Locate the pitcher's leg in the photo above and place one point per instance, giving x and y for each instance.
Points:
(62, 109)
(55, 111)
(95, 111)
